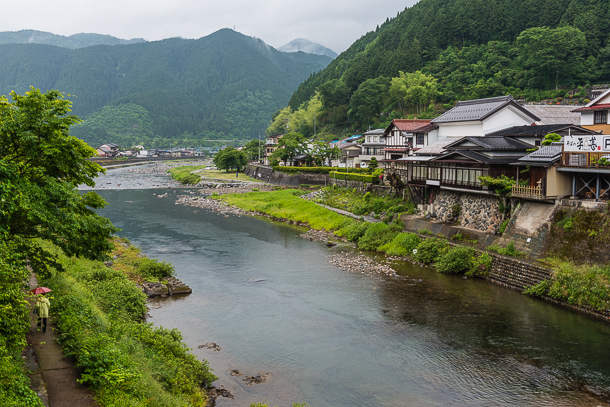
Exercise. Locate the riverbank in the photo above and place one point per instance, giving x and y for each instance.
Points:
(98, 314)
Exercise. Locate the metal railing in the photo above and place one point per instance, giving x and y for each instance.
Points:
(527, 191)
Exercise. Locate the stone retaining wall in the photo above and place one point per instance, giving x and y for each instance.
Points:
(479, 212)
(363, 186)
(518, 275)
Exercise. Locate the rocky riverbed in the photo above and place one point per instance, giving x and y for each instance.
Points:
(359, 263)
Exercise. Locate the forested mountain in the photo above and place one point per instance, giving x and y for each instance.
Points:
(223, 86)
(73, 41)
(301, 44)
(465, 49)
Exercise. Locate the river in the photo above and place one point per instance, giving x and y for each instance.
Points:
(273, 303)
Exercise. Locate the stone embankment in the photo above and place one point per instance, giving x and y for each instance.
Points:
(165, 288)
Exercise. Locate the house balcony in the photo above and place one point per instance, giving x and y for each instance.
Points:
(585, 160)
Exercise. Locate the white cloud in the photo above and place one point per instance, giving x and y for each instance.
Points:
(335, 25)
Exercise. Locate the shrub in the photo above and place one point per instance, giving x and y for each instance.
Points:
(154, 269)
(480, 266)
(425, 232)
(503, 226)
(511, 251)
(430, 250)
(402, 245)
(353, 230)
(539, 289)
(377, 235)
(458, 259)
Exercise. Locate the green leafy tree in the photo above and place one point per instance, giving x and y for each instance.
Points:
(252, 149)
(554, 56)
(414, 89)
(550, 139)
(229, 158)
(368, 100)
(289, 145)
(322, 152)
(373, 164)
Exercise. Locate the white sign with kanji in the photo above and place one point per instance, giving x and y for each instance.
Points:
(583, 144)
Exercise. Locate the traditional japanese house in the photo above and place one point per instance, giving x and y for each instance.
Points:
(403, 136)
(595, 114)
(535, 134)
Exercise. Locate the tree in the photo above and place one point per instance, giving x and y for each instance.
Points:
(40, 167)
(334, 93)
(289, 145)
(252, 149)
(229, 158)
(322, 152)
(551, 54)
(373, 163)
(368, 100)
(414, 89)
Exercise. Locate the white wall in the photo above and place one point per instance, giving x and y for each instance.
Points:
(586, 118)
(506, 118)
(459, 129)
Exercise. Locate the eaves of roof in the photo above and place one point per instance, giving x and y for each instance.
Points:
(605, 106)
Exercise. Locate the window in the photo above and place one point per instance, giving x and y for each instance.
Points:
(601, 117)
(420, 139)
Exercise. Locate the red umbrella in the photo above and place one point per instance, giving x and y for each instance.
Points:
(40, 290)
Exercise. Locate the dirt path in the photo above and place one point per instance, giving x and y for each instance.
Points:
(53, 375)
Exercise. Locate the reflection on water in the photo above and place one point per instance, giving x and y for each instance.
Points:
(273, 303)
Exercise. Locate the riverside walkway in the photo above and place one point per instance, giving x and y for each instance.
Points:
(53, 375)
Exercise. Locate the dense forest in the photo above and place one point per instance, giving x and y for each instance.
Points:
(447, 50)
(224, 86)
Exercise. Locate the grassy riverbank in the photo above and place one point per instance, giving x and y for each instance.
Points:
(185, 176)
(126, 362)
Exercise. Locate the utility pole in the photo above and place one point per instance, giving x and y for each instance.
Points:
(259, 148)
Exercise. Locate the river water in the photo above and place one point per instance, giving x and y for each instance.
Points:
(273, 303)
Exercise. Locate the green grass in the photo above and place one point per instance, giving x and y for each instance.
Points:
(184, 176)
(584, 284)
(364, 203)
(287, 204)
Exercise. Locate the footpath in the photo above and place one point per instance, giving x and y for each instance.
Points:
(53, 376)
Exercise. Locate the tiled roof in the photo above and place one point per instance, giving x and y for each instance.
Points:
(535, 130)
(554, 114)
(436, 148)
(477, 157)
(545, 154)
(410, 125)
(376, 132)
(492, 143)
(605, 106)
(479, 109)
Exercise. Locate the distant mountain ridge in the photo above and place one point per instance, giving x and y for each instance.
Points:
(74, 41)
(301, 44)
(223, 86)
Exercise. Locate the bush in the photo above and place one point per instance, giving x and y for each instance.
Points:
(481, 266)
(402, 245)
(430, 250)
(353, 177)
(152, 269)
(425, 232)
(458, 259)
(353, 230)
(377, 235)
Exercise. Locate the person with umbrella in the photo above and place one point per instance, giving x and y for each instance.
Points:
(42, 306)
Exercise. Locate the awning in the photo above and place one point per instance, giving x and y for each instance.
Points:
(417, 158)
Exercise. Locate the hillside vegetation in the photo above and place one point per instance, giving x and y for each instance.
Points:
(72, 41)
(224, 86)
(464, 49)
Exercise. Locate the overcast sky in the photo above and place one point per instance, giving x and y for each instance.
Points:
(333, 24)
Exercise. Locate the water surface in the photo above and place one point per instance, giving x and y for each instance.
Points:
(273, 303)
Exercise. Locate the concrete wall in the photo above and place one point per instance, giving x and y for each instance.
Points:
(558, 184)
